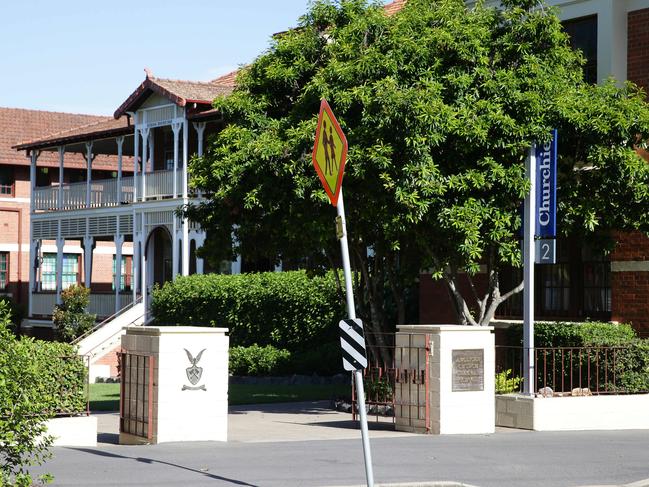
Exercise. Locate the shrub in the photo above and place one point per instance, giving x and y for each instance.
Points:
(506, 384)
(16, 311)
(21, 412)
(562, 334)
(288, 310)
(624, 369)
(325, 359)
(70, 317)
(256, 360)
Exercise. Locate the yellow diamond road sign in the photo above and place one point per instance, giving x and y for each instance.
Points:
(330, 152)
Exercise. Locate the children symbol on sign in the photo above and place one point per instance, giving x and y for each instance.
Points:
(329, 144)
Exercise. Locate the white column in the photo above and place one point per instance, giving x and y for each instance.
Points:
(120, 146)
(88, 172)
(60, 243)
(185, 156)
(61, 164)
(185, 229)
(143, 282)
(529, 228)
(612, 29)
(174, 248)
(88, 245)
(33, 259)
(135, 265)
(145, 142)
(136, 155)
(119, 241)
(151, 144)
(32, 243)
(176, 126)
(200, 129)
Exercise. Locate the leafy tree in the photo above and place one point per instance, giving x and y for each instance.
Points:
(23, 441)
(440, 104)
(70, 317)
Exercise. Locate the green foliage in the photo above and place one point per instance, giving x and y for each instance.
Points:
(440, 104)
(569, 334)
(288, 310)
(15, 310)
(378, 390)
(70, 318)
(35, 383)
(256, 360)
(632, 366)
(616, 356)
(506, 384)
(323, 359)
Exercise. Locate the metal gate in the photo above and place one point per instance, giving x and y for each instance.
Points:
(136, 394)
(393, 388)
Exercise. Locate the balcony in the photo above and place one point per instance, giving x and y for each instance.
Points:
(104, 192)
(102, 305)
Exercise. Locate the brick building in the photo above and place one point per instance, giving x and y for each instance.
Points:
(614, 37)
(17, 125)
(114, 228)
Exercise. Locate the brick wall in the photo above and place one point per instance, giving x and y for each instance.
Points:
(630, 280)
(435, 304)
(110, 359)
(638, 48)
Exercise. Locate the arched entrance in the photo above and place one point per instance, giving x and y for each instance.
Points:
(159, 257)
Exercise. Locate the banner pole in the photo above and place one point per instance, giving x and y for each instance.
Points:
(351, 311)
(529, 373)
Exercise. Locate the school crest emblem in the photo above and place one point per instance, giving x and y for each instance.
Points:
(194, 372)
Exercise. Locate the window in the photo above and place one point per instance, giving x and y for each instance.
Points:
(577, 287)
(583, 36)
(70, 271)
(555, 289)
(597, 284)
(4, 270)
(7, 180)
(125, 277)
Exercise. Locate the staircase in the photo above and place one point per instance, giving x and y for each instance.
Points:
(106, 338)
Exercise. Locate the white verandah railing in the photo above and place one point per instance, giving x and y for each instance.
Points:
(104, 192)
(101, 305)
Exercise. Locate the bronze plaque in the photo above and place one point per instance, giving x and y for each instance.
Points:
(468, 370)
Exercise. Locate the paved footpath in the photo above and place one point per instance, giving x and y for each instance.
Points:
(308, 445)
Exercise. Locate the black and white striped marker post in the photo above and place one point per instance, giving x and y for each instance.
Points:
(352, 341)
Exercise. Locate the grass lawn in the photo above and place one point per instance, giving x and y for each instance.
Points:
(105, 397)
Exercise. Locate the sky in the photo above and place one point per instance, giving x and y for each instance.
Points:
(87, 56)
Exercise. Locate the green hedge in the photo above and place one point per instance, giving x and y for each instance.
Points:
(256, 360)
(288, 310)
(626, 369)
(570, 334)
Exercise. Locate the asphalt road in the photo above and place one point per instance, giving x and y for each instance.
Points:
(507, 458)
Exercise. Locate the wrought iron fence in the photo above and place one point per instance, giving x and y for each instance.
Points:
(579, 370)
(396, 377)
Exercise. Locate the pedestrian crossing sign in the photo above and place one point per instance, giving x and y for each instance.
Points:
(329, 152)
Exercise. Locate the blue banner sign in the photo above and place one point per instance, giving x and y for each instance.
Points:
(546, 188)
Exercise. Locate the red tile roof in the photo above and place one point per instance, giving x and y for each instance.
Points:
(107, 127)
(227, 79)
(393, 7)
(180, 92)
(18, 124)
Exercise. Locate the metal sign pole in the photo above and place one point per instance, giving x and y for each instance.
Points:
(529, 372)
(351, 311)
